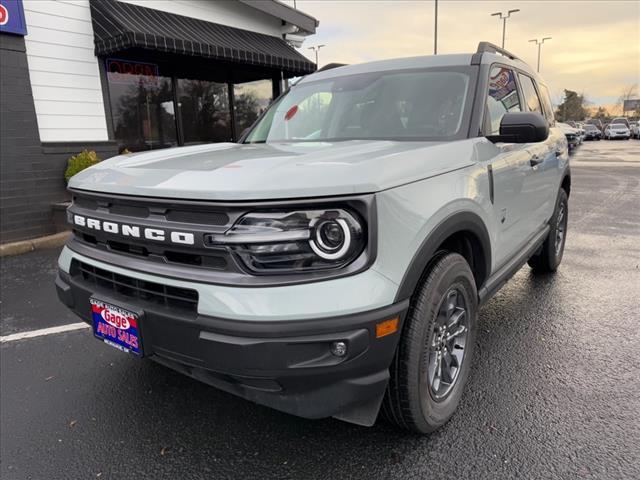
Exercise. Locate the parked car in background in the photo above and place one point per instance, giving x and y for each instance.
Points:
(596, 122)
(620, 121)
(572, 135)
(591, 132)
(578, 128)
(617, 130)
(635, 129)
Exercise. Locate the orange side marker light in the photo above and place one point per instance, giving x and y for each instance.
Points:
(387, 327)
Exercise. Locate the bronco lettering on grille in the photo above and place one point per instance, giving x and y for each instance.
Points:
(157, 234)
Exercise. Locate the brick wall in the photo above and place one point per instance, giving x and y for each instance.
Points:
(31, 173)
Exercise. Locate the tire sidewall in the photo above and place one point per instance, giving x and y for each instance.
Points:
(556, 258)
(457, 275)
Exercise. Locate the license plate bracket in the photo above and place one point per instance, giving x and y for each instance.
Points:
(117, 326)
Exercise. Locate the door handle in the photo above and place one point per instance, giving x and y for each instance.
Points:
(535, 160)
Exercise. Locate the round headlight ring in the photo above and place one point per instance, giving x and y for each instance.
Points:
(319, 245)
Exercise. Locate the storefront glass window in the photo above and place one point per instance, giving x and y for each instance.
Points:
(250, 100)
(141, 105)
(205, 112)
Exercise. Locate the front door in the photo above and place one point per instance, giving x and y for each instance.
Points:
(541, 183)
(509, 168)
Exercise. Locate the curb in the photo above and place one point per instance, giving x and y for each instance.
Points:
(25, 246)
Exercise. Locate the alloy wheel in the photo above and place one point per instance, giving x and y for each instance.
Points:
(561, 226)
(447, 347)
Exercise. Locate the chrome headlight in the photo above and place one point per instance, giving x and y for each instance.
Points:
(277, 242)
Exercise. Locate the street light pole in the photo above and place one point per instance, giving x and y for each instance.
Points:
(504, 17)
(316, 49)
(539, 44)
(435, 32)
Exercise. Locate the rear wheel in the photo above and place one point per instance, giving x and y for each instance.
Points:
(550, 255)
(433, 359)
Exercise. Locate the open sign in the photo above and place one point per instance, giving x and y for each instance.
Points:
(129, 71)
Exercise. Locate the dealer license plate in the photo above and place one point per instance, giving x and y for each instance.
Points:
(116, 326)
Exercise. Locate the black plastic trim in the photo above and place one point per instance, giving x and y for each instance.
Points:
(491, 187)
(458, 222)
(286, 365)
(509, 269)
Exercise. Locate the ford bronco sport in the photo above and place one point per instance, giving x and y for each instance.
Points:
(331, 263)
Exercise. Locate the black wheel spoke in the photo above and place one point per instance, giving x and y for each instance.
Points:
(447, 367)
(455, 319)
(446, 347)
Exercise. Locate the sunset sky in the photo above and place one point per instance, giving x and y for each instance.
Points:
(595, 47)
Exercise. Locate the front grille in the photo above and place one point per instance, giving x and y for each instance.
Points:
(198, 218)
(211, 260)
(167, 210)
(167, 296)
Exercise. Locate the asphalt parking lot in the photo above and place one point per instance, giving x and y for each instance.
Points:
(554, 392)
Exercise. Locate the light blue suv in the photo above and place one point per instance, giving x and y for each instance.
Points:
(331, 263)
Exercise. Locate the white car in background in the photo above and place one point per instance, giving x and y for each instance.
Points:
(617, 130)
(635, 129)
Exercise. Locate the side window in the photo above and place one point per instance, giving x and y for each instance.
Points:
(530, 95)
(502, 98)
(546, 103)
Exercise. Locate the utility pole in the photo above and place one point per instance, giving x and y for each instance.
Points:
(435, 32)
(539, 44)
(504, 17)
(316, 49)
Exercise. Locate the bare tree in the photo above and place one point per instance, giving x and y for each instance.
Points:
(628, 93)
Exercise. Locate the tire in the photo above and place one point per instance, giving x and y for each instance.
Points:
(411, 401)
(550, 255)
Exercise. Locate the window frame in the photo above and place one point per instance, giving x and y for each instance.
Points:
(485, 122)
(550, 115)
(535, 89)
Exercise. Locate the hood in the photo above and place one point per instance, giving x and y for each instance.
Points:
(567, 128)
(229, 171)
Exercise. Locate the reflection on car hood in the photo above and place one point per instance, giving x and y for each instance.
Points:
(567, 129)
(229, 171)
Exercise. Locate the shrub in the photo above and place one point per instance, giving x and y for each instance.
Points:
(79, 162)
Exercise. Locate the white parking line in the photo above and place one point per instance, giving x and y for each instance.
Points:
(45, 331)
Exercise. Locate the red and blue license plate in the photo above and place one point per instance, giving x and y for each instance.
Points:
(116, 326)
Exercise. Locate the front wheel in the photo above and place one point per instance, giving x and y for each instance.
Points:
(433, 359)
(552, 250)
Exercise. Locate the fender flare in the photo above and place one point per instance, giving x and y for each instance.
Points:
(457, 222)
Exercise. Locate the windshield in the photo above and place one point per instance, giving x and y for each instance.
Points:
(399, 105)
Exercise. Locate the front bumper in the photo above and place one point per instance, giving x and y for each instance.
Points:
(286, 365)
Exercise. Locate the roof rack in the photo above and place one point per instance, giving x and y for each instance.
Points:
(487, 47)
(329, 66)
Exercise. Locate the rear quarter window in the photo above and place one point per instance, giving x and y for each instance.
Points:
(546, 103)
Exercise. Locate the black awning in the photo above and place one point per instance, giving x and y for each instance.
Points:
(119, 26)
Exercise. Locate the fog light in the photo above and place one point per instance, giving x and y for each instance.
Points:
(339, 349)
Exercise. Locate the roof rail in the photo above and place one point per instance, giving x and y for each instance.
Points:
(487, 47)
(329, 66)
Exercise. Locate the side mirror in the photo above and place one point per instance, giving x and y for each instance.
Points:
(522, 127)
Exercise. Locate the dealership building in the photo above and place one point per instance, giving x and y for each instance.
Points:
(129, 75)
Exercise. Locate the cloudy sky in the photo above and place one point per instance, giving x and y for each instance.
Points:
(595, 47)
